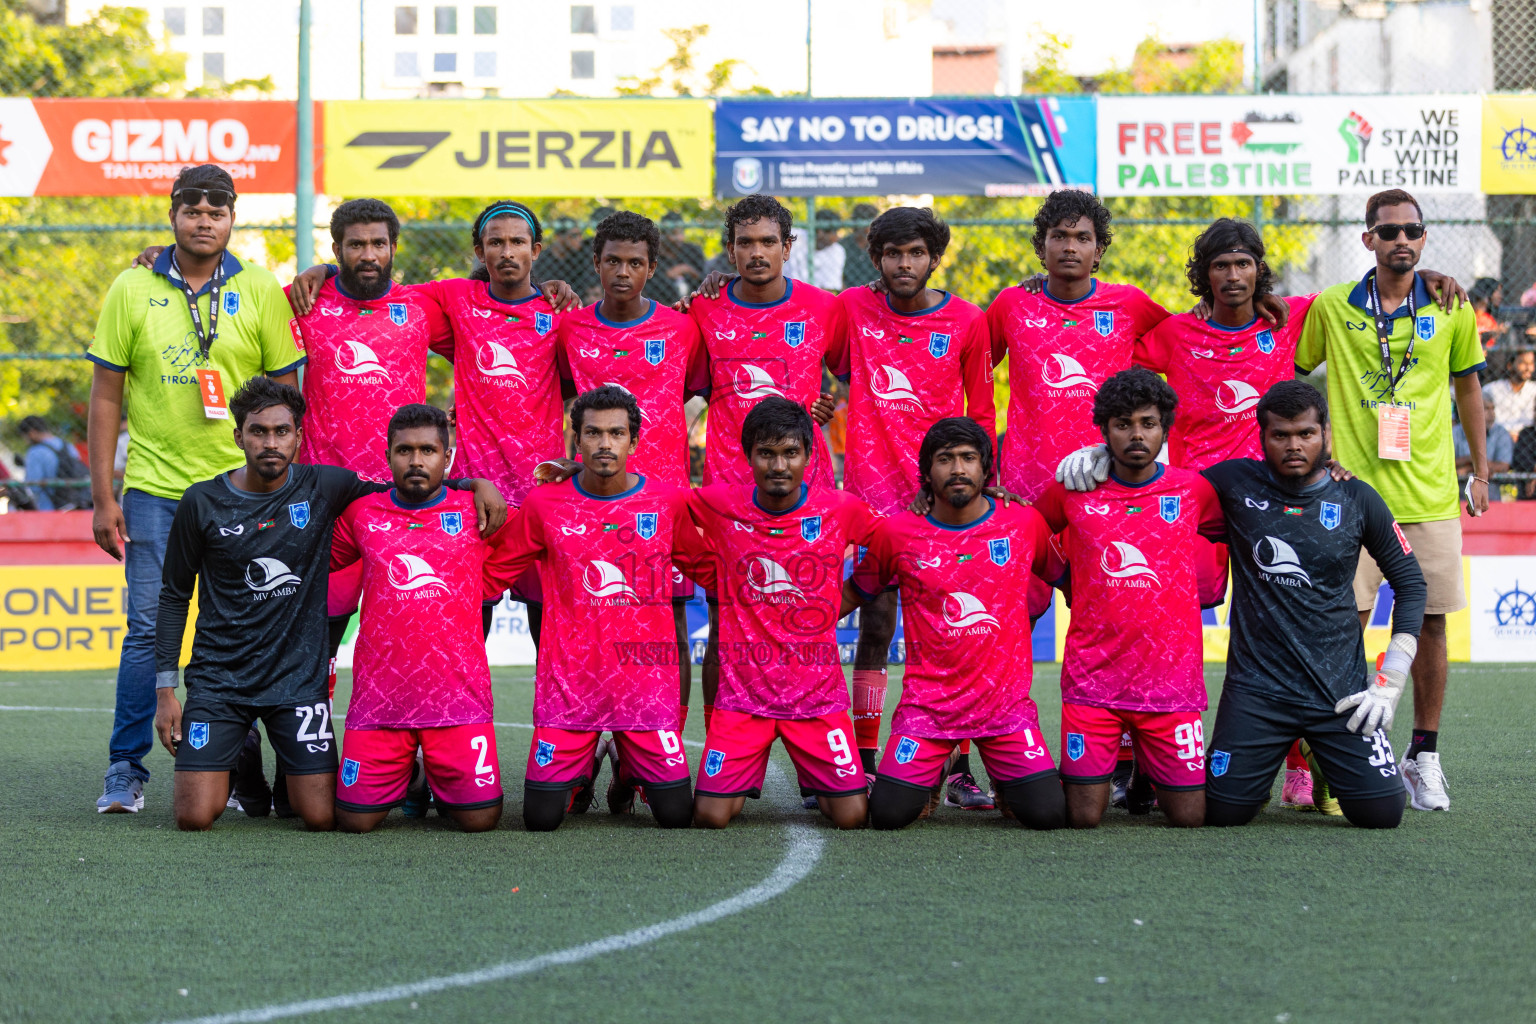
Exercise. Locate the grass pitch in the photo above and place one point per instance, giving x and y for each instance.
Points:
(1295, 918)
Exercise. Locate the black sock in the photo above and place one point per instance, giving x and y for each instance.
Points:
(962, 765)
(867, 759)
(1423, 740)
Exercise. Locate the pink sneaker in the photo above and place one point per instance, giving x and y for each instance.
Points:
(1296, 791)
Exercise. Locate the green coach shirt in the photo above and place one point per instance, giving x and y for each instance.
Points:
(145, 330)
(1340, 329)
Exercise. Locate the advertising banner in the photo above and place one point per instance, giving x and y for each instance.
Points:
(1288, 145)
(1501, 594)
(517, 147)
(136, 147)
(63, 617)
(982, 147)
(1509, 145)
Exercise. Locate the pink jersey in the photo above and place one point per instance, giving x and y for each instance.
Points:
(1058, 355)
(608, 658)
(1220, 373)
(420, 659)
(761, 349)
(908, 371)
(367, 357)
(659, 359)
(506, 384)
(780, 580)
(1134, 642)
(964, 603)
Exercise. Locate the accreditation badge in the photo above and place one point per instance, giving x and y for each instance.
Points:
(212, 387)
(1394, 436)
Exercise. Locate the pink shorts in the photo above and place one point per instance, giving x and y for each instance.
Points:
(376, 766)
(1170, 745)
(919, 761)
(736, 754)
(562, 758)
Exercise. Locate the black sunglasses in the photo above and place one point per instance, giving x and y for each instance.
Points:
(214, 196)
(1388, 232)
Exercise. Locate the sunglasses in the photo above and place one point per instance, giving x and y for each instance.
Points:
(1389, 232)
(214, 196)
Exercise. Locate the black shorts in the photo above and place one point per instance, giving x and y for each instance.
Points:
(212, 732)
(1253, 733)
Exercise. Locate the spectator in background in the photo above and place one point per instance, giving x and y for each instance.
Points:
(1513, 396)
(720, 262)
(679, 263)
(565, 258)
(824, 269)
(50, 458)
(1486, 297)
(1501, 448)
(858, 268)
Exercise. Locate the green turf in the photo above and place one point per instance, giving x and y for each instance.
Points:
(1295, 918)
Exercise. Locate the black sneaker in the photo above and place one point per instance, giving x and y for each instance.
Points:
(621, 798)
(251, 788)
(582, 798)
(418, 795)
(1119, 783)
(1139, 795)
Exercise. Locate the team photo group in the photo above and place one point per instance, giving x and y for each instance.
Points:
(286, 473)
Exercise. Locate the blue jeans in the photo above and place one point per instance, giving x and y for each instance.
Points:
(148, 519)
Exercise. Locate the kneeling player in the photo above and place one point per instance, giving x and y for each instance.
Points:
(964, 572)
(606, 541)
(419, 677)
(1133, 659)
(777, 550)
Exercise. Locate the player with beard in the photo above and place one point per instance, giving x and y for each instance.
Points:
(914, 355)
(964, 571)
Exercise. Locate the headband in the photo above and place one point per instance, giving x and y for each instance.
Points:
(1245, 251)
(501, 210)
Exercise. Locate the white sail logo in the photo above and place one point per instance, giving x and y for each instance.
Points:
(604, 579)
(267, 574)
(1281, 559)
(895, 387)
(1236, 396)
(962, 609)
(354, 358)
(1062, 371)
(769, 577)
(1127, 561)
(754, 382)
(494, 360)
(410, 572)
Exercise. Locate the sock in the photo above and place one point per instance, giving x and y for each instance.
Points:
(1423, 741)
(709, 716)
(682, 719)
(1295, 759)
(962, 765)
(868, 705)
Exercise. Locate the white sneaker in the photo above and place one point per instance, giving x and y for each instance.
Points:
(1426, 783)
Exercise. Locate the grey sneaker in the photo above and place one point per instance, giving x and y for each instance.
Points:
(122, 791)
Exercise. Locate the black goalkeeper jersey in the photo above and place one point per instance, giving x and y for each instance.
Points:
(1295, 632)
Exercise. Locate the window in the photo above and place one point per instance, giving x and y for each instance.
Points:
(485, 65)
(213, 67)
(583, 20)
(485, 21)
(213, 21)
(445, 63)
(445, 20)
(176, 21)
(583, 64)
(405, 22)
(405, 66)
(622, 18)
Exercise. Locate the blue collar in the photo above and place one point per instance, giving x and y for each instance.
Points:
(1093, 286)
(921, 312)
(1213, 325)
(991, 508)
(805, 494)
(730, 293)
(232, 266)
(442, 496)
(509, 302)
(576, 482)
(1154, 478)
(597, 311)
(1360, 295)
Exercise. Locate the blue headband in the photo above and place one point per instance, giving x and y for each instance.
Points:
(501, 210)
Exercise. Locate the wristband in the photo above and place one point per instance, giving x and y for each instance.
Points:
(165, 680)
(1400, 653)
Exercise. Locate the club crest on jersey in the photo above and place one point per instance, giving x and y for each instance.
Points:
(1266, 340)
(232, 304)
(543, 323)
(1000, 550)
(645, 524)
(1168, 507)
(906, 750)
(298, 514)
(810, 528)
(350, 770)
(714, 760)
(938, 344)
(1219, 761)
(545, 754)
(794, 333)
(655, 349)
(1426, 327)
(452, 522)
(197, 735)
(1104, 321)
(1076, 745)
(1329, 515)
(397, 314)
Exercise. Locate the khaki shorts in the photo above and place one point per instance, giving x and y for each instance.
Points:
(1437, 546)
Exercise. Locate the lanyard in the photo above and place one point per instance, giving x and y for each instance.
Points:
(1384, 336)
(204, 342)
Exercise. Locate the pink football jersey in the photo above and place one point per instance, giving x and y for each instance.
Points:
(1220, 373)
(1134, 642)
(1058, 355)
(761, 349)
(964, 604)
(657, 358)
(366, 359)
(420, 660)
(608, 655)
(506, 384)
(779, 580)
(908, 371)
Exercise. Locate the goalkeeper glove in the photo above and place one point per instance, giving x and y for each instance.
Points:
(1085, 468)
(1376, 705)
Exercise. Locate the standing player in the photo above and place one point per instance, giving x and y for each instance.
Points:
(964, 572)
(605, 543)
(777, 551)
(915, 355)
(1133, 651)
(422, 563)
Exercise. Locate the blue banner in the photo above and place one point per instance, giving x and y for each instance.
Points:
(1028, 146)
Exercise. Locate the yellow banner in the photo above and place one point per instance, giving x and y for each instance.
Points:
(518, 148)
(63, 617)
(1509, 145)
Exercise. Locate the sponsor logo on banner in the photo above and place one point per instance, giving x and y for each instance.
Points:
(1509, 145)
(747, 174)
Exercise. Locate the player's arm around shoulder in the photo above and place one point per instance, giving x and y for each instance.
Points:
(1325, 317)
(276, 329)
